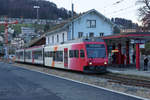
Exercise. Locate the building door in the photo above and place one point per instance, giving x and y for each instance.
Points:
(66, 57)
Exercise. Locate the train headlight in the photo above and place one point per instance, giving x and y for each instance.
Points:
(105, 63)
(90, 63)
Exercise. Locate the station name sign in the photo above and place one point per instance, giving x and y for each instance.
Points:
(138, 41)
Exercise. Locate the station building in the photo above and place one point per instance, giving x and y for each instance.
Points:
(89, 24)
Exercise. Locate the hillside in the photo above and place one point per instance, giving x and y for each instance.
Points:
(24, 8)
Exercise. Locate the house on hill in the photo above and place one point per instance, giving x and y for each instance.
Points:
(89, 24)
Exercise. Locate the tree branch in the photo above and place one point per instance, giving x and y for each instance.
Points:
(147, 4)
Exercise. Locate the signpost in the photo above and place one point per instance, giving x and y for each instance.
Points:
(37, 7)
(6, 23)
(140, 41)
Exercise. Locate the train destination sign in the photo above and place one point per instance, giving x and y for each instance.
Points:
(95, 46)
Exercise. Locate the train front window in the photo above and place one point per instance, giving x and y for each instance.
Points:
(96, 50)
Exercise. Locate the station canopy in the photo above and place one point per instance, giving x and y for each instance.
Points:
(133, 37)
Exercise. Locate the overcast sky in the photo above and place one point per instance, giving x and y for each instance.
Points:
(110, 8)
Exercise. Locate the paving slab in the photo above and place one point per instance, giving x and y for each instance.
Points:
(22, 84)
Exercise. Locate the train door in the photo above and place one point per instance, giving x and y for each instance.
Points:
(32, 57)
(24, 55)
(66, 57)
(82, 58)
(43, 56)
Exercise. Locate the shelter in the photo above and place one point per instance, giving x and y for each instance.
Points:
(126, 43)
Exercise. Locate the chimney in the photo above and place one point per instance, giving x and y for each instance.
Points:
(72, 21)
(72, 10)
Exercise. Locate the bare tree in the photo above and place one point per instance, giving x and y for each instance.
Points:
(145, 7)
(144, 12)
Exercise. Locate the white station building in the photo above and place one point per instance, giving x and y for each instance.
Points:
(89, 24)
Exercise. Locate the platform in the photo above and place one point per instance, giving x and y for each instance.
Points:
(129, 70)
(23, 84)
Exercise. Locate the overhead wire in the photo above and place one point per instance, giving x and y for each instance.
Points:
(114, 4)
(118, 2)
(122, 9)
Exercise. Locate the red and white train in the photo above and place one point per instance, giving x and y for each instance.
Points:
(86, 55)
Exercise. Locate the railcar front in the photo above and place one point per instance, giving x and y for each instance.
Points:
(97, 59)
(90, 57)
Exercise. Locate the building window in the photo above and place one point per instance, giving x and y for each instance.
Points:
(101, 34)
(57, 38)
(52, 39)
(80, 34)
(63, 37)
(91, 23)
(91, 35)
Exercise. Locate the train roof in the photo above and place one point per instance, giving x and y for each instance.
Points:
(80, 40)
(94, 39)
(35, 47)
(98, 39)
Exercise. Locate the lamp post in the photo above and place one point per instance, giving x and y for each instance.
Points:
(37, 7)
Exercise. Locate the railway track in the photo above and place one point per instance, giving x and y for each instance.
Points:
(127, 80)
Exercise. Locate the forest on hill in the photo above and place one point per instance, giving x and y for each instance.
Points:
(25, 9)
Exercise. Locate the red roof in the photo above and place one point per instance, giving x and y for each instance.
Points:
(129, 35)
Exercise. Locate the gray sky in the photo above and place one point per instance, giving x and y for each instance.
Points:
(110, 8)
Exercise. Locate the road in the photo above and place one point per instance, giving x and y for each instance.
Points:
(22, 84)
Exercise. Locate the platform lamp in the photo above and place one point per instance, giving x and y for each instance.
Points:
(37, 7)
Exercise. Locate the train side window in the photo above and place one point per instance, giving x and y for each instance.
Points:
(71, 53)
(58, 56)
(76, 53)
(28, 55)
(54, 55)
(45, 54)
(82, 55)
(50, 54)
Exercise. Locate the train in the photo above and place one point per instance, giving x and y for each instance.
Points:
(85, 55)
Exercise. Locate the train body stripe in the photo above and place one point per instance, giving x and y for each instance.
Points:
(53, 62)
